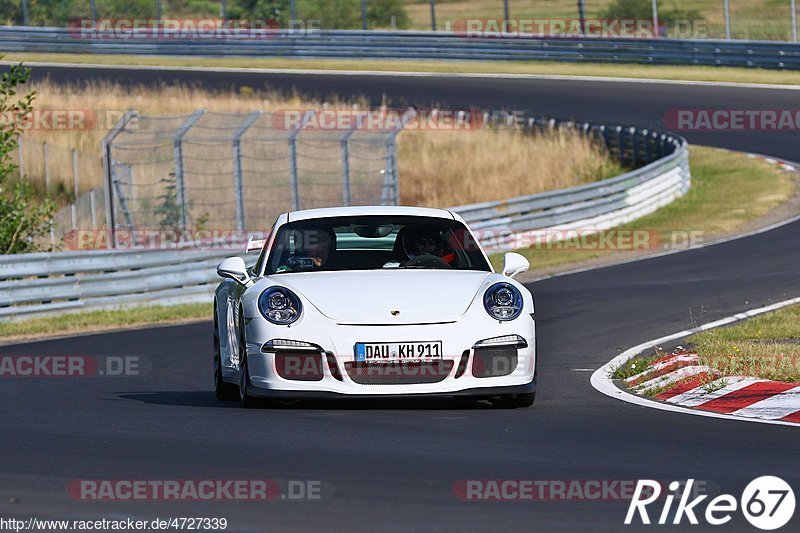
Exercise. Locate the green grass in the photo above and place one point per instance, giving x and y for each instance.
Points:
(101, 320)
(699, 73)
(728, 190)
(634, 366)
(767, 346)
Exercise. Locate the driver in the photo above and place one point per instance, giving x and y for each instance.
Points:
(314, 250)
(419, 242)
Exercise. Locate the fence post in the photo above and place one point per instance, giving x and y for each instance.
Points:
(727, 11)
(794, 21)
(346, 165)
(293, 171)
(582, 15)
(20, 160)
(75, 171)
(93, 10)
(293, 12)
(46, 168)
(293, 159)
(363, 14)
(390, 194)
(25, 13)
(238, 183)
(108, 173)
(433, 15)
(655, 18)
(73, 215)
(93, 208)
(506, 16)
(180, 185)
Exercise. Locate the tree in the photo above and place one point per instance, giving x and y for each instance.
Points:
(22, 219)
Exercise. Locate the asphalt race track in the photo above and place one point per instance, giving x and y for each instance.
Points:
(391, 465)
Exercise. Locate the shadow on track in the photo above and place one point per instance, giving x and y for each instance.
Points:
(207, 399)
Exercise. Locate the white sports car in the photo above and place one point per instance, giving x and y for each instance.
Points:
(373, 301)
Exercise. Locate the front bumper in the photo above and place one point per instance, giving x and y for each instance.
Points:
(461, 377)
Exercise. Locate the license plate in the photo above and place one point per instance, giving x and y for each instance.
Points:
(379, 352)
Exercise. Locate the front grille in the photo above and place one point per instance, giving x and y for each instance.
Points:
(494, 361)
(299, 366)
(398, 373)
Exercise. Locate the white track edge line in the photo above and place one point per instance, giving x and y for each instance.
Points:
(601, 380)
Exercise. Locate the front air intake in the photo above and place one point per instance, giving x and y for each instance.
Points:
(494, 361)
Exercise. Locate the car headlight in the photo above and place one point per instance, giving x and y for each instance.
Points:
(279, 305)
(503, 301)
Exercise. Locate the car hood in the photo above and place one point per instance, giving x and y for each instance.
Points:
(370, 297)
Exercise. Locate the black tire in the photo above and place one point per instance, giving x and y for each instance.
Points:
(223, 391)
(515, 401)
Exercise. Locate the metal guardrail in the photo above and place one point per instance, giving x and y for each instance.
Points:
(417, 45)
(42, 284)
(594, 206)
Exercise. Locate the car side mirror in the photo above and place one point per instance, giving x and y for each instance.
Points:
(235, 269)
(514, 263)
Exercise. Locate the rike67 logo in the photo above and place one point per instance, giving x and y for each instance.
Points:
(767, 503)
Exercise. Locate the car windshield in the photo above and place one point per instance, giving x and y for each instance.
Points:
(372, 243)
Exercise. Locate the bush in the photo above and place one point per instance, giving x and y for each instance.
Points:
(346, 14)
(21, 220)
(642, 10)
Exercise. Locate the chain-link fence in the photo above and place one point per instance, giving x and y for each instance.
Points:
(232, 171)
(711, 19)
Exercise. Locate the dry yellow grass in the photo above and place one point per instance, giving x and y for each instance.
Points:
(440, 169)
(437, 168)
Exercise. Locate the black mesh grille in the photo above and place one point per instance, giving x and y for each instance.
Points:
(398, 373)
(494, 361)
(299, 366)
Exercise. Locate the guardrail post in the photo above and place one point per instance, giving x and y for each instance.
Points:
(108, 173)
(180, 184)
(238, 184)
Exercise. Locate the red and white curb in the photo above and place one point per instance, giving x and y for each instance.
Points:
(683, 384)
(782, 164)
(679, 379)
